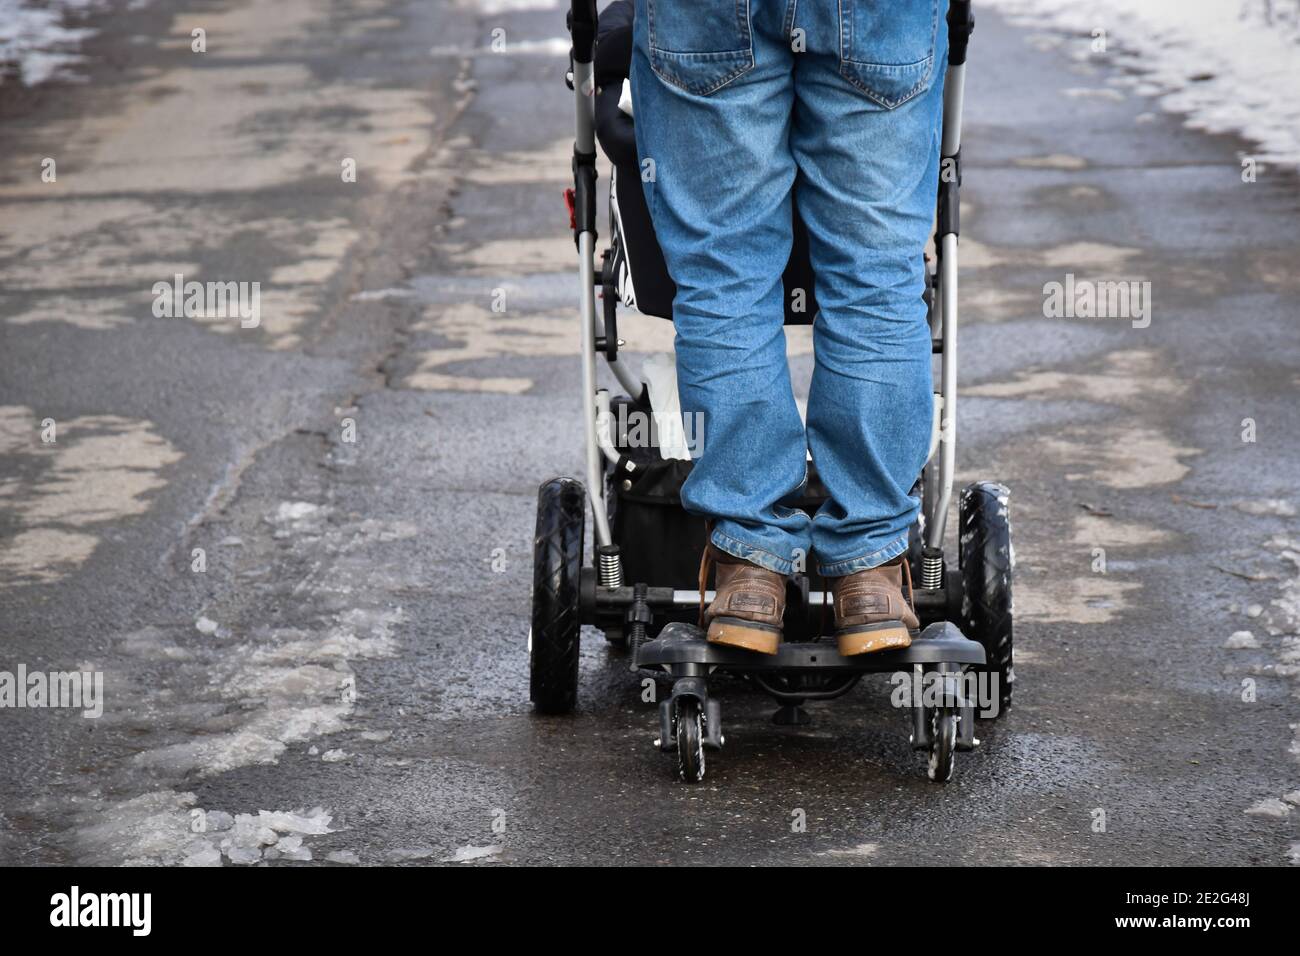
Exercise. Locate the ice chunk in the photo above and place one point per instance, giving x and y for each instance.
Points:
(1241, 640)
(294, 510)
(291, 848)
(343, 856)
(315, 821)
(243, 855)
(201, 853)
(1270, 807)
(205, 625)
(250, 831)
(468, 854)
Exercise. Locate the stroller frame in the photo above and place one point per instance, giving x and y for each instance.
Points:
(566, 594)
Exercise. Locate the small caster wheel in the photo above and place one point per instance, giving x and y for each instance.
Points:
(688, 723)
(943, 743)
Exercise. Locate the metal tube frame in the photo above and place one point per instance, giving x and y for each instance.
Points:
(939, 482)
(582, 26)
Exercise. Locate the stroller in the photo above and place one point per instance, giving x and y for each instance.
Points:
(641, 587)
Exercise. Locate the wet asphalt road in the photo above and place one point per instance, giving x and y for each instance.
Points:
(356, 641)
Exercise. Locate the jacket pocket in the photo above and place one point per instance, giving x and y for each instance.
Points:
(699, 45)
(887, 47)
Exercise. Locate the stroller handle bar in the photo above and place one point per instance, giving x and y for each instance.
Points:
(582, 26)
(960, 24)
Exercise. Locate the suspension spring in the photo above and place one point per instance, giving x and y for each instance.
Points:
(931, 569)
(610, 566)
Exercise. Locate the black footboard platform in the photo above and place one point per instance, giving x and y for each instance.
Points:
(684, 644)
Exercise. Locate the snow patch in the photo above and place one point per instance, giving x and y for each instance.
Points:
(382, 295)
(294, 510)
(471, 853)
(1267, 506)
(1229, 67)
(36, 41)
(860, 851)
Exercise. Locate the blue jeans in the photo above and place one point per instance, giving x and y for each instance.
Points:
(740, 106)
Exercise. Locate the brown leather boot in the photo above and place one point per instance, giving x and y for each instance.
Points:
(871, 613)
(750, 604)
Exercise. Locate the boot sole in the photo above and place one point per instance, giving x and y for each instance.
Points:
(747, 635)
(870, 638)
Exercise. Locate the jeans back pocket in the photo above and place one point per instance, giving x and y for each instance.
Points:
(699, 45)
(887, 47)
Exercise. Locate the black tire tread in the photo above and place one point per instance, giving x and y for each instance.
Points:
(986, 560)
(556, 622)
(690, 753)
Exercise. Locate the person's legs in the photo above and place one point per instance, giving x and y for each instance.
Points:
(712, 93)
(865, 136)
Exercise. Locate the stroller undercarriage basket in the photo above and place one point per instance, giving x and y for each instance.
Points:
(643, 492)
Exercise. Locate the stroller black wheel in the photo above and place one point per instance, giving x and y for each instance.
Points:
(556, 622)
(943, 744)
(689, 725)
(986, 559)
